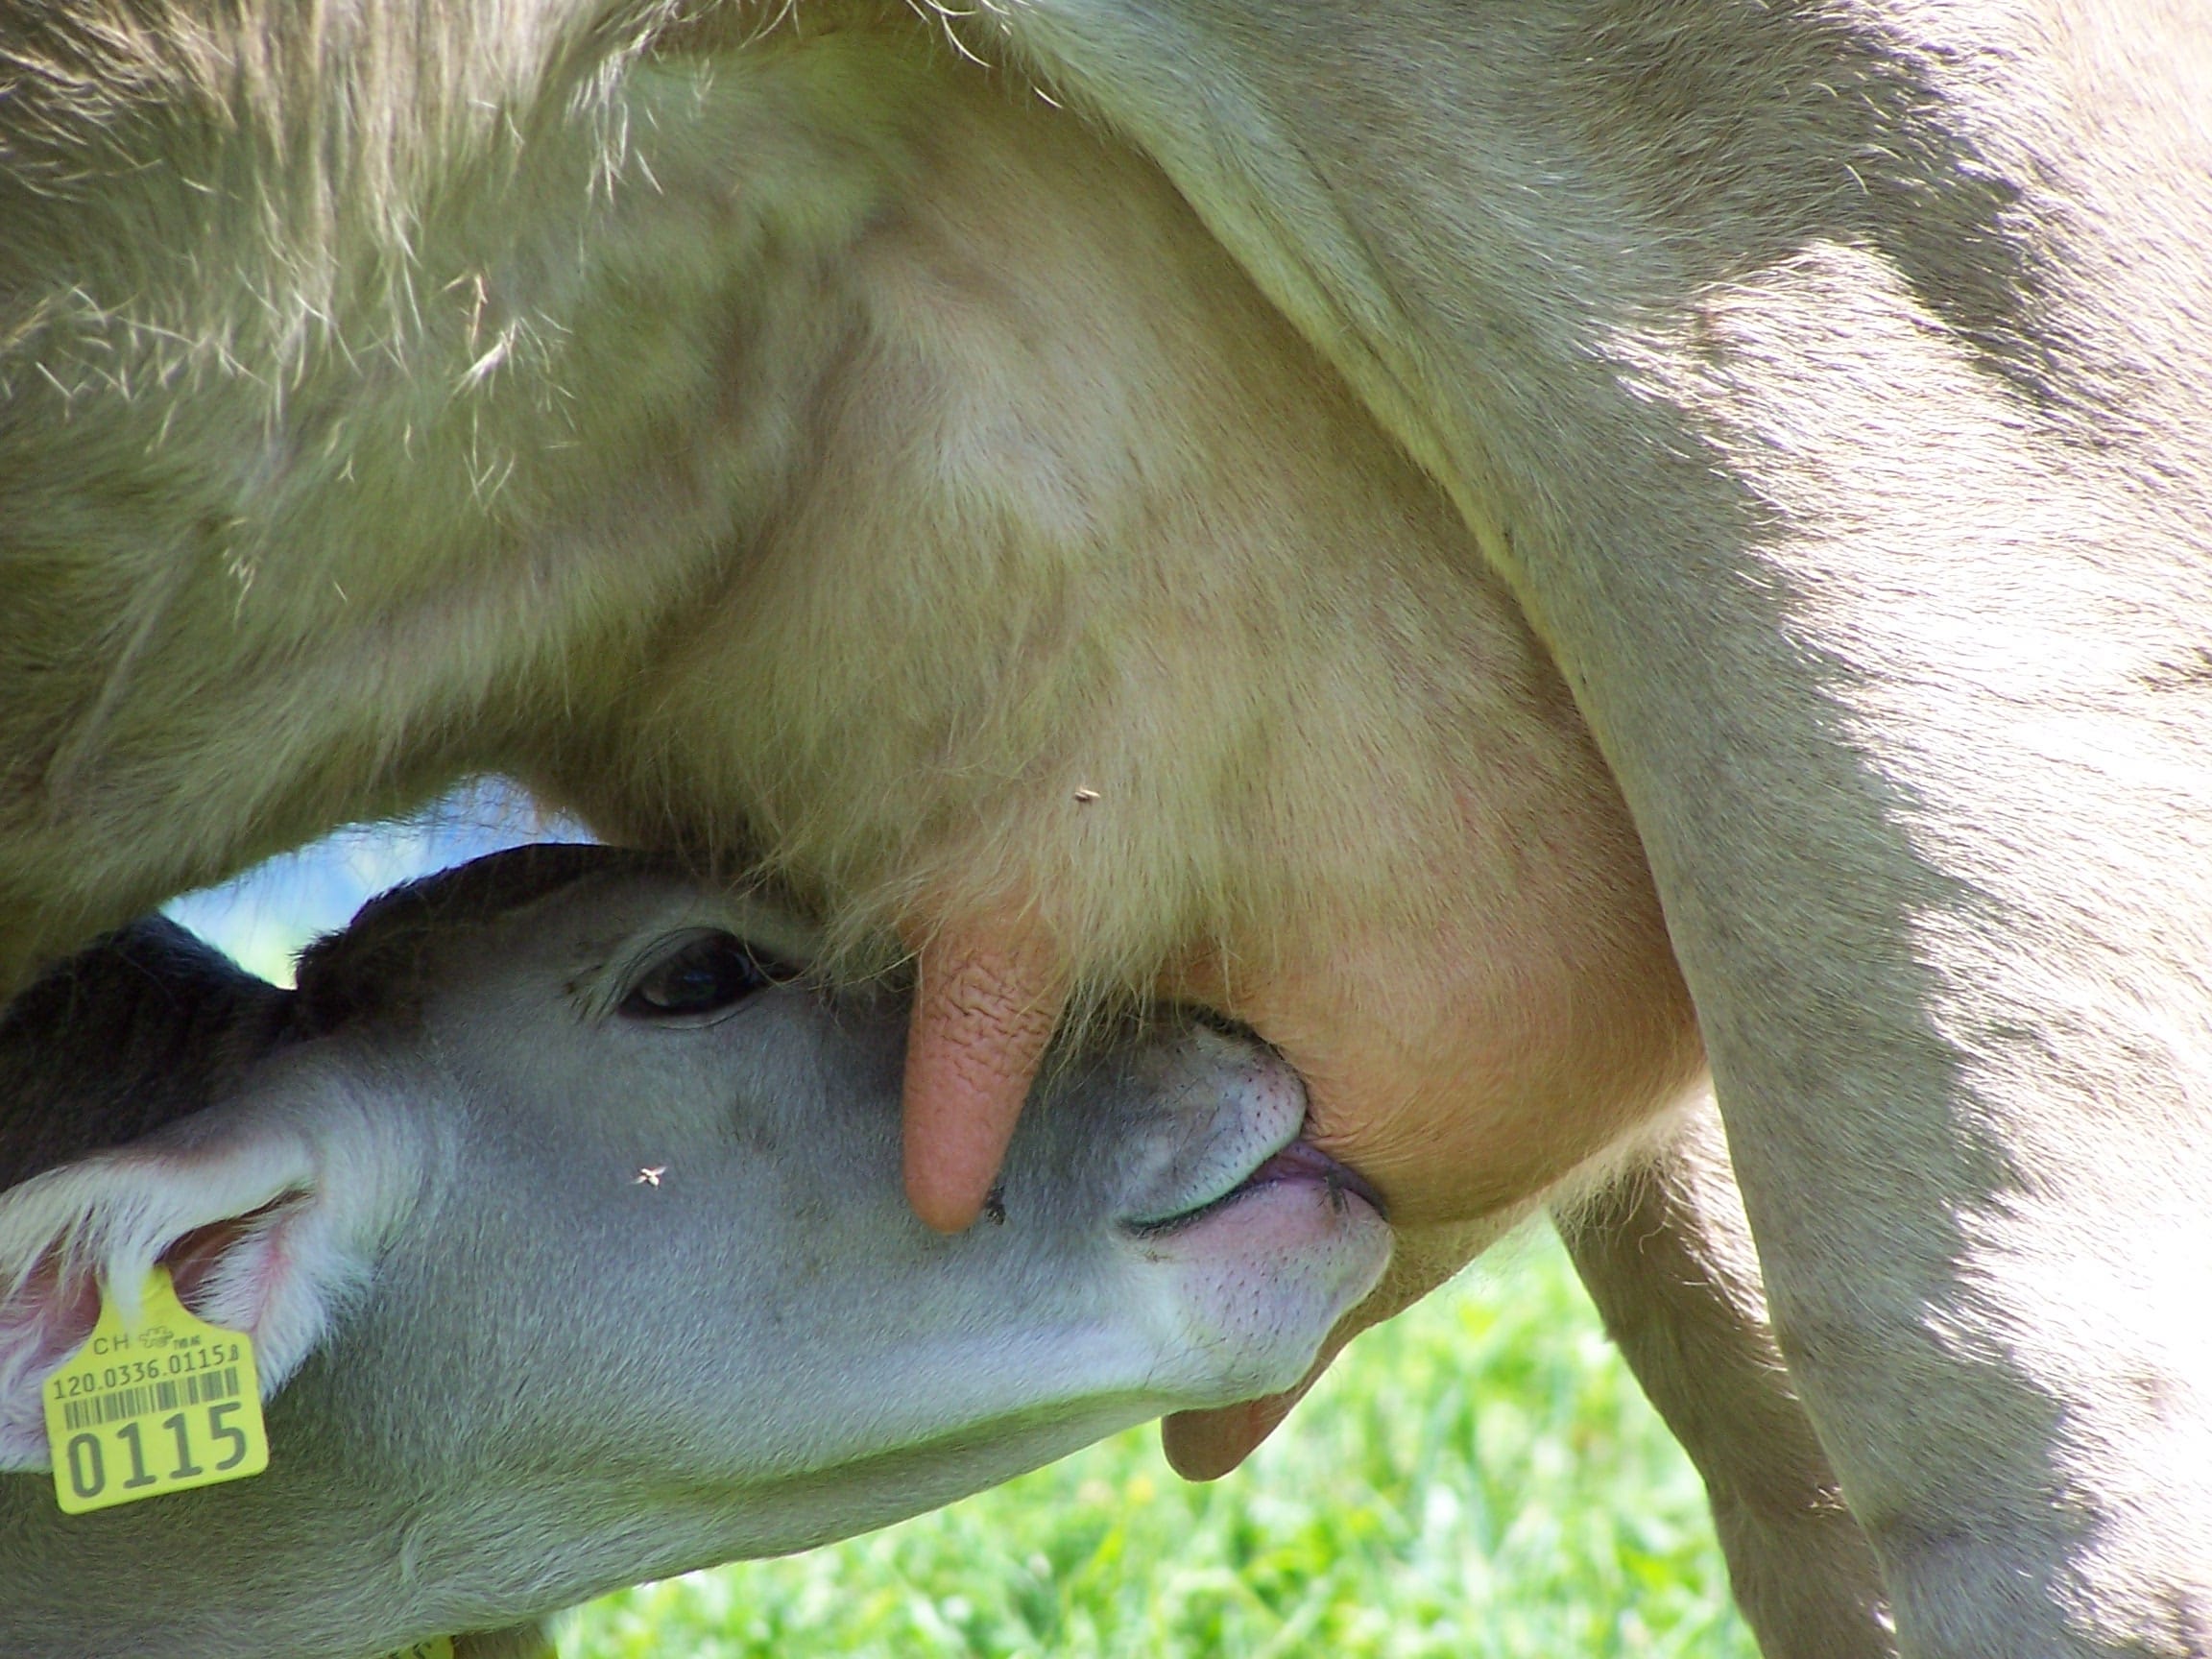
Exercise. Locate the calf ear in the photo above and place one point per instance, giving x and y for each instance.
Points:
(255, 1232)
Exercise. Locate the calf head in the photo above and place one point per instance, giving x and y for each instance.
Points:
(564, 1208)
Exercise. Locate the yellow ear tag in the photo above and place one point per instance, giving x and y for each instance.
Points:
(437, 1648)
(172, 1403)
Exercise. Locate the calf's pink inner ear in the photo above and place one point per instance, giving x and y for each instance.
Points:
(43, 1320)
(232, 1262)
(241, 1223)
(233, 1272)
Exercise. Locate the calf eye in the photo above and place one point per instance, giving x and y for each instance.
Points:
(708, 974)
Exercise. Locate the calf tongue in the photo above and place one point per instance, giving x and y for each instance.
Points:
(1303, 1158)
(984, 1010)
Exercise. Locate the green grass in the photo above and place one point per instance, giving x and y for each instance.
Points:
(1478, 1478)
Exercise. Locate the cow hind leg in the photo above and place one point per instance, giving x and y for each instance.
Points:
(1667, 1256)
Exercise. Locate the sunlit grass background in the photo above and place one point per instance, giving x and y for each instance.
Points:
(1478, 1478)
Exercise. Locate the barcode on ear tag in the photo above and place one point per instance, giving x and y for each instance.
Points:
(171, 1405)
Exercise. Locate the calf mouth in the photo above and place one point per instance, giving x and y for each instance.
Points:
(1297, 1162)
